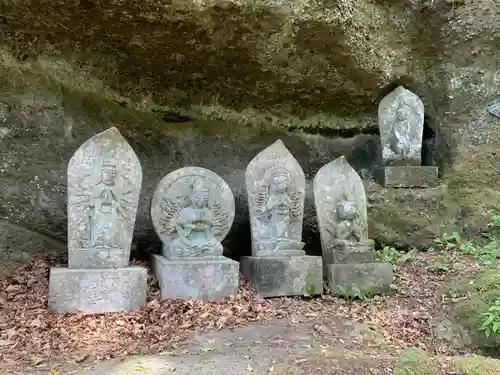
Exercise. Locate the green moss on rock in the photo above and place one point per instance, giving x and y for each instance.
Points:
(485, 281)
(478, 294)
(416, 362)
(476, 365)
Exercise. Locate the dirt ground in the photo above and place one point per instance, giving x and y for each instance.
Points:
(243, 334)
(295, 345)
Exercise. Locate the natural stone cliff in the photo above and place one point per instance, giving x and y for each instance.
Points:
(190, 82)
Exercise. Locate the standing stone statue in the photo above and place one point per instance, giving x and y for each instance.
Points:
(348, 254)
(104, 183)
(401, 124)
(494, 109)
(192, 212)
(276, 189)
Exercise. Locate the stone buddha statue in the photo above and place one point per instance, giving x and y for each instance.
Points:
(344, 224)
(195, 225)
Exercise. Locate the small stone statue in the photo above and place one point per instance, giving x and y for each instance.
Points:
(401, 125)
(192, 213)
(102, 194)
(400, 140)
(278, 266)
(278, 205)
(275, 183)
(344, 225)
(348, 254)
(194, 227)
(107, 205)
(104, 183)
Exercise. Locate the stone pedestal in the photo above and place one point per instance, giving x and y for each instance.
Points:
(98, 258)
(370, 278)
(348, 264)
(283, 275)
(204, 278)
(97, 291)
(347, 252)
(410, 176)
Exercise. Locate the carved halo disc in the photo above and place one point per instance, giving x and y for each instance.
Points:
(176, 186)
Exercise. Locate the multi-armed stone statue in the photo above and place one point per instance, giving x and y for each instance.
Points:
(104, 182)
(401, 124)
(348, 254)
(276, 187)
(192, 211)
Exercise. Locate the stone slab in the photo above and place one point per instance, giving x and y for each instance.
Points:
(98, 258)
(347, 252)
(283, 276)
(279, 253)
(97, 291)
(196, 278)
(104, 184)
(401, 125)
(410, 176)
(374, 278)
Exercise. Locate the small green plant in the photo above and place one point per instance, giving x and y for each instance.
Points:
(495, 221)
(387, 255)
(446, 242)
(407, 256)
(354, 293)
(486, 255)
(467, 247)
(437, 267)
(490, 323)
(308, 290)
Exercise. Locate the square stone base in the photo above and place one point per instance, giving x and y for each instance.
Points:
(98, 258)
(283, 276)
(196, 278)
(370, 278)
(97, 291)
(347, 252)
(410, 176)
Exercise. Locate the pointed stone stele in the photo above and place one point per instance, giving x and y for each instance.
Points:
(348, 254)
(104, 183)
(401, 125)
(192, 212)
(276, 189)
(494, 109)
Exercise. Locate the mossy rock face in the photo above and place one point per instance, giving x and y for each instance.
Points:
(416, 362)
(474, 296)
(212, 83)
(485, 281)
(476, 365)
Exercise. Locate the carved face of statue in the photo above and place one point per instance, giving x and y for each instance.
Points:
(108, 175)
(279, 181)
(199, 198)
(403, 112)
(347, 211)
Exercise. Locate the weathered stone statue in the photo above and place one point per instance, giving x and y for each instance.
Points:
(276, 188)
(277, 211)
(348, 254)
(192, 212)
(104, 182)
(494, 109)
(401, 124)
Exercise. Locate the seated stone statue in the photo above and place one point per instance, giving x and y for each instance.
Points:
(193, 228)
(344, 225)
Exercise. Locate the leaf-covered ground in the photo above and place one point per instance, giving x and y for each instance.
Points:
(32, 337)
